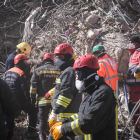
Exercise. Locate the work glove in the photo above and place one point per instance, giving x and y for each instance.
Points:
(55, 125)
(52, 119)
(47, 95)
(56, 131)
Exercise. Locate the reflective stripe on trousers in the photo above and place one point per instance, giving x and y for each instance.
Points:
(42, 100)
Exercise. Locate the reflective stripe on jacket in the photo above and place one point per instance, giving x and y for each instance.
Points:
(66, 98)
(134, 64)
(97, 115)
(42, 81)
(108, 70)
(17, 82)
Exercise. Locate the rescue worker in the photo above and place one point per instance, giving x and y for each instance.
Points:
(97, 116)
(134, 69)
(41, 82)
(108, 67)
(66, 99)
(8, 106)
(23, 48)
(16, 80)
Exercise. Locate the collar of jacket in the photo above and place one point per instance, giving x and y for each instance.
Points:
(48, 63)
(102, 55)
(93, 86)
(69, 63)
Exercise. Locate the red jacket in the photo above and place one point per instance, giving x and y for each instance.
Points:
(108, 70)
(134, 64)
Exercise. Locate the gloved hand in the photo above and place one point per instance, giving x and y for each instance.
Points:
(47, 95)
(56, 132)
(55, 125)
(52, 119)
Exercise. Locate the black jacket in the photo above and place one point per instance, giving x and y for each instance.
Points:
(42, 81)
(8, 104)
(66, 98)
(96, 114)
(10, 61)
(16, 80)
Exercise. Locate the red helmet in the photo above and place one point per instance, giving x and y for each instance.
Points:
(86, 60)
(63, 49)
(20, 57)
(48, 55)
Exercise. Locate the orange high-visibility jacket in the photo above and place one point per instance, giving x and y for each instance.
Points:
(108, 70)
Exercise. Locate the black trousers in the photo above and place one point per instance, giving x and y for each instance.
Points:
(32, 112)
(3, 128)
(43, 115)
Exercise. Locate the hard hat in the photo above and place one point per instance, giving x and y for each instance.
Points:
(98, 48)
(48, 55)
(20, 57)
(86, 60)
(24, 47)
(64, 49)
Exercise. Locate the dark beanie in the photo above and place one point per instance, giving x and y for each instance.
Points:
(135, 38)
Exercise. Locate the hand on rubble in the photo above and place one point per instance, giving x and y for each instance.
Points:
(47, 95)
(52, 119)
(56, 132)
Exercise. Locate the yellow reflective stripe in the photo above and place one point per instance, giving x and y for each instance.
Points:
(58, 80)
(64, 98)
(48, 71)
(33, 90)
(74, 117)
(66, 114)
(72, 126)
(44, 102)
(87, 137)
(116, 122)
(62, 103)
(75, 128)
(43, 98)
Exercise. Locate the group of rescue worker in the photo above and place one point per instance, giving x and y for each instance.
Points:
(56, 89)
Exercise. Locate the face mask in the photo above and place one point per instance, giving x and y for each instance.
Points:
(131, 46)
(59, 63)
(80, 85)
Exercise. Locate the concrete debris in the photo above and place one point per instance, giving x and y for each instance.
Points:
(92, 19)
(91, 34)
